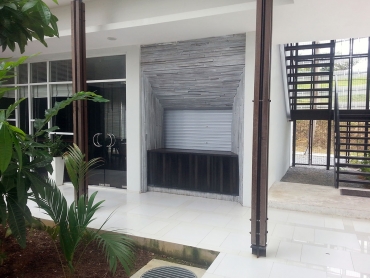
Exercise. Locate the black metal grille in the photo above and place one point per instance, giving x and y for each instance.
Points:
(168, 272)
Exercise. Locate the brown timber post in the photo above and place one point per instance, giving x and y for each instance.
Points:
(80, 132)
(261, 114)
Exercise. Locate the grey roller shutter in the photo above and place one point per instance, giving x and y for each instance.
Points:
(198, 129)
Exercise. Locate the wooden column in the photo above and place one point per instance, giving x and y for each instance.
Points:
(79, 83)
(261, 127)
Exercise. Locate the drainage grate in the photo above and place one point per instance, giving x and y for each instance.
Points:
(169, 272)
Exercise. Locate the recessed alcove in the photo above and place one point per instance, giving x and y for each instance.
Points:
(192, 103)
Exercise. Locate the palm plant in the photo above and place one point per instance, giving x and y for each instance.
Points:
(22, 156)
(78, 169)
(71, 227)
(71, 224)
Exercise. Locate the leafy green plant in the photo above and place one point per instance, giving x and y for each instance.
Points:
(71, 224)
(77, 167)
(22, 157)
(24, 20)
(366, 169)
(57, 146)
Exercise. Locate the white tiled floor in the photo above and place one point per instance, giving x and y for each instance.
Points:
(299, 244)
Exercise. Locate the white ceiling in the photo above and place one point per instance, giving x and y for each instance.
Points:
(51, 3)
(294, 21)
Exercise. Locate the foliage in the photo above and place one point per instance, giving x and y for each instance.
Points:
(71, 228)
(77, 167)
(22, 157)
(24, 20)
(366, 161)
(57, 146)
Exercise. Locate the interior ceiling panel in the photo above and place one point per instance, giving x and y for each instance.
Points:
(195, 74)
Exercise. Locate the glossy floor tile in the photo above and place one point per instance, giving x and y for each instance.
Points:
(300, 244)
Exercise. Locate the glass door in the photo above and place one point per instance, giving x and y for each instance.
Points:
(107, 134)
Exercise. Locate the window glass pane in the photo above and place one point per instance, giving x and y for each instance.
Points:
(7, 100)
(112, 67)
(61, 71)
(341, 71)
(38, 72)
(39, 101)
(342, 47)
(23, 109)
(359, 80)
(360, 46)
(109, 117)
(23, 74)
(9, 80)
(64, 119)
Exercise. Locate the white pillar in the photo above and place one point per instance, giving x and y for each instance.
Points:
(248, 117)
(133, 119)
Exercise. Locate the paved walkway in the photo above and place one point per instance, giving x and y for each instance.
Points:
(299, 245)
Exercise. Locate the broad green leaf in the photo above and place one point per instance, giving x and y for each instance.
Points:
(18, 131)
(17, 146)
(12, 107)
(21, 190)
(28, 215)
(9, 182)
(6, 146)
(16, 221)
(44, 12)
(29, 5)
(53, 23)
(11, 5)
(36, 182)
(2, 115)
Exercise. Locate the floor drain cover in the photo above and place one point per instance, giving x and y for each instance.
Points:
(168, 272)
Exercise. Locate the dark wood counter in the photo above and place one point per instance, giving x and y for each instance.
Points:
(196, 170)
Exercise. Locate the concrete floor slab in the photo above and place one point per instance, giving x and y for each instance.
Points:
(317, 199)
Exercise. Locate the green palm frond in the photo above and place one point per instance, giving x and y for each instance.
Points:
(52, 201)
(83, 213)
(76, 165)
(117, 248)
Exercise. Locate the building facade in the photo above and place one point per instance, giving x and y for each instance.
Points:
(170, 64)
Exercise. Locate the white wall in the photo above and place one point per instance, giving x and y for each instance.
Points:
(237, 137)
(280, 133)
(280, 127)
(248, 118)
(312, 20)
(133, 119)
(114, 11)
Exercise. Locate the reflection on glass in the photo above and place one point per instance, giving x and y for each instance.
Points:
(64, 119)
(9, 80)
(61, 71)
(23, 109)
(7, 100)
(342, 47)
(341, 71)
(38, 72)
(22, 74)
(109, 116)
(359, 80)
(100, 68)
(107, 127)
(360, 45)
(39, 101)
